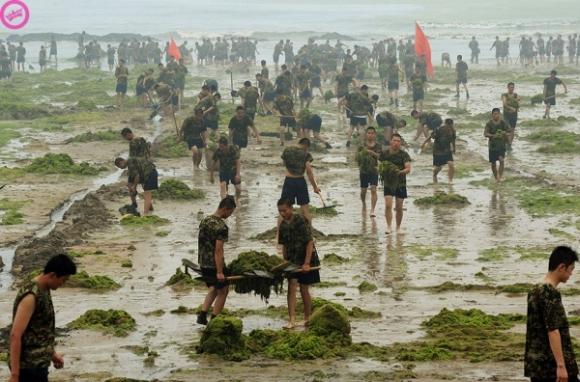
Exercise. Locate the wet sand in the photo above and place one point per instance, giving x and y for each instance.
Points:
(493, 219)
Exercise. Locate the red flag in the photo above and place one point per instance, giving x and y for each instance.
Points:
(423, 48)
(174, 50)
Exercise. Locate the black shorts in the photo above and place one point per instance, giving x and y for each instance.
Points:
(511, 120)
(151, 183)
(228, 177)
(308, 278)
(306, 93)
(211, 273)
(139, 90)
(33, 375)
(197, 142)
(314, 124)
(461, 81)
(495, 155)
(399, 193)
(393, 85)
(418, 95)
(288, 122)
(367, 180)
(121, 88)
(240, 142)
(269, 96)
(550, 101)
(211, 124)
(441, 160)
(571, 378)
(296, 190)
(358, 121)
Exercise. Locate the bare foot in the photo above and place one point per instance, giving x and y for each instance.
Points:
(290, 325)
(389, 230)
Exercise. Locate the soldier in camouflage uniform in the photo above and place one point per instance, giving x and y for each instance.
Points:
(284, 82)
(284, 107)
(297, 161)
(228, 157)
(390, 124)
(295, 236)
(141, 171)
(250, 97)
(32, 338)
(209, 105)
(213, 233)
(138, 148)
(418, 82)
(359, 106)
(496, 131)
(267, 93)
(239, 128)
(443, 149)
(367, 159)
(549, 354)
(426, 122)
(303, 84)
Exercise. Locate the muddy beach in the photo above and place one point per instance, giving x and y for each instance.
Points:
(478, 255)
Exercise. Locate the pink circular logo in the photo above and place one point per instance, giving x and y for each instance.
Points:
(14, 14)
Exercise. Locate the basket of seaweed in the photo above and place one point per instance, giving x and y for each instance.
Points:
(248, 263)
(389, 173)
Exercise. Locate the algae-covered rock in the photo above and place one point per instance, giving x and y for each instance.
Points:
(250, 261)
(334, 259)
(365, 287)
(115, 322)
(96, 282)
(60, 164)
(177, 190)
(328, 321)
(443, 198)
(139, 221)
(223, 336)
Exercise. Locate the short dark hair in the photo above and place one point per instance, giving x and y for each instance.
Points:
(218, 95)
(562, 255)
(553, 72)
(229, 203)
(414, 113)
(396, 135)
(304, 141)
(495, 109)
(263, 62)
(126, 131)
(118, 161)
(223, 141)
(459, 57)
(375, 97)
(364, 87)
(240, 107)
(402, 122)
(449, 122)
(285, 202)
(247, 83)
(61, 265)
(511, 84)
(371, 128)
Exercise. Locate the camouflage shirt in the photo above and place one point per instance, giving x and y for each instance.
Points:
(398, 159)
(497, 143)
(295, 159)
(193, 127)
(367, 163)
(443, 138)
(295, 235)
(207, 103)
(139, 148)
(211, 229)
(342, 82)
(250, 96)
(38, 339)
(140, 167)
(303, 80)
(284, 105)
(227, 158)
(430, 119)
(387, 119)
(418, 81)
(358, 103)
(284, 83)
(393, 73)
(239, 128)
(511, 101)
(122, 74)
(546, 313)
(461, 70)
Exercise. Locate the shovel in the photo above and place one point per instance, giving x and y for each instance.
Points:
(324, 206)
(190, 265)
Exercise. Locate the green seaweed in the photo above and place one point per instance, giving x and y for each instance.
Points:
(443, 198)
(162, 233)
(127, 264)
(223, 336)
(493, 254)
(115, 322)
(89, 136)
(84, 280)
(10, 212)
(251, 261)
(366, 287)
(555, 142)
(169, 146)
(334, 259)
(330, 284)
(177, 190)
(548, 201)
(140, 221)
(183, 280)
(7, 133)
(60, 164)
(442, 253)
